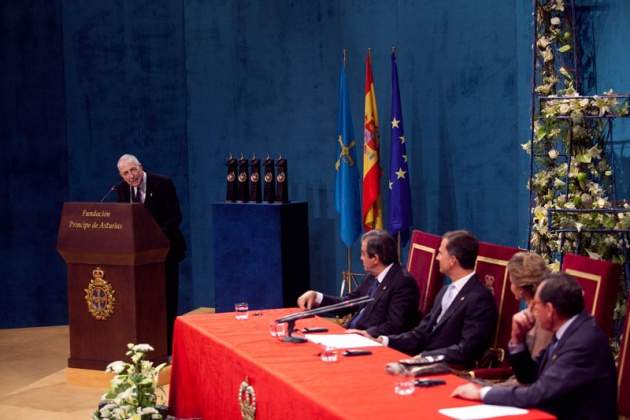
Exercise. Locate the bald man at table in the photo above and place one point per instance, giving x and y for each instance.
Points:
(575, 376)
(395, 291)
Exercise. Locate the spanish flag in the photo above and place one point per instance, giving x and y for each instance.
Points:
(372, 206)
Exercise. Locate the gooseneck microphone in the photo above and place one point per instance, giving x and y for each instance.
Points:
(108, 193)
(290, 319)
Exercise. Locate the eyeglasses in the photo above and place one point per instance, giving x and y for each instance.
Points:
(133, 171)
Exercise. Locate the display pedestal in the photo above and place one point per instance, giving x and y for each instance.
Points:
(261, 254)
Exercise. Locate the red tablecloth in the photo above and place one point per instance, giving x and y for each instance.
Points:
(213, 354)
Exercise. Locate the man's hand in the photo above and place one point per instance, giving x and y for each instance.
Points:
(522, 322)
(307, 300)
(467, 392)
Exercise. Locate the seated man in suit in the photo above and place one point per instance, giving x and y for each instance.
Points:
(463, 319)
(395, 291)
(575, 376)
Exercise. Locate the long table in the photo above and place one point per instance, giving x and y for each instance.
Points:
(214, 354)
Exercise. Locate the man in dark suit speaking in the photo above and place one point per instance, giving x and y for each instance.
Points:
(464, 316)
(575, 376)
(395, 291)
(158, 194)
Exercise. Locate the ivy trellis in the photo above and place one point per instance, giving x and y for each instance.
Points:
(572, 192)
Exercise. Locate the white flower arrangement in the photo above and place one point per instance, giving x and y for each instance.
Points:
(132, 394)
(568, 128)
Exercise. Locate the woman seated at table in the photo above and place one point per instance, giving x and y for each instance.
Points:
(527, 269)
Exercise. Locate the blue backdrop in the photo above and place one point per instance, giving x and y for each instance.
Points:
(182, 84)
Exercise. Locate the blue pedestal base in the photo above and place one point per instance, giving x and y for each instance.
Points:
(260, 254)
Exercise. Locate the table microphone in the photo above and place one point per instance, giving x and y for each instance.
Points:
(108, 193)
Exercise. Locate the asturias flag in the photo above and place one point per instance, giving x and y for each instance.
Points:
(347, 193)
(372, 206)
(399, 215)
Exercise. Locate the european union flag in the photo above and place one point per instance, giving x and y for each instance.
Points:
(399, 216)
(347, 185)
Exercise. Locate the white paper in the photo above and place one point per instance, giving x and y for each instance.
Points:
(482, 411)
(342, 341)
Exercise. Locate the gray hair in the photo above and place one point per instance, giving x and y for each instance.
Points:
(128, 158)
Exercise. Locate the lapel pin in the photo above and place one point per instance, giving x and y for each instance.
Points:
(462, 298)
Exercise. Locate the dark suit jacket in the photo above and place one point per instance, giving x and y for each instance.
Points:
(578, 382)
(162, 202)
(395, 305)
(464, 332)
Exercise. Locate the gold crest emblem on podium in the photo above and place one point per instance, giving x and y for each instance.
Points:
(100, 296)
(247, 400)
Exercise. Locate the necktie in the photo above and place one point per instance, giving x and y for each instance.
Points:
(374, 288)
(552, 347)
(136, 197)
(446, 300)
(355, 321)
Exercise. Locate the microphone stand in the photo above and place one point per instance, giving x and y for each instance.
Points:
(292, 338)
(290, 319)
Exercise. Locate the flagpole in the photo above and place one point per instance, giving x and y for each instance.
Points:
(397, 233)
(399, 217)
(373, 224)
(347, 190)
(348, 277)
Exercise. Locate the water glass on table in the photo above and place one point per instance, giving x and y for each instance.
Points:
(242, 310)
(278, 329)
(328, 353)
(404, 385)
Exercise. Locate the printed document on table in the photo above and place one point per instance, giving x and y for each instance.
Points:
(482, 411)
(341, 341)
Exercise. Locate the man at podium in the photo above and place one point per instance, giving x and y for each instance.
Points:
(158, 194)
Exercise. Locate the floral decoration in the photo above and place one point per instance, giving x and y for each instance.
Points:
(571, 181)
(133, 391)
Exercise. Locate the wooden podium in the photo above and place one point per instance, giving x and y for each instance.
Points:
(115, 256)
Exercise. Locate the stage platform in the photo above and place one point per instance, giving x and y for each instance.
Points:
(36, 383)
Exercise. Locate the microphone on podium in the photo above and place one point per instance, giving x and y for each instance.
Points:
(108, 193)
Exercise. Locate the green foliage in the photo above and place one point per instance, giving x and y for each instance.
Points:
(132, 393)
(571, 179)
(571, 170)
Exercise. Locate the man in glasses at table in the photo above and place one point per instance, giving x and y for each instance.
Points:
(158, 194)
